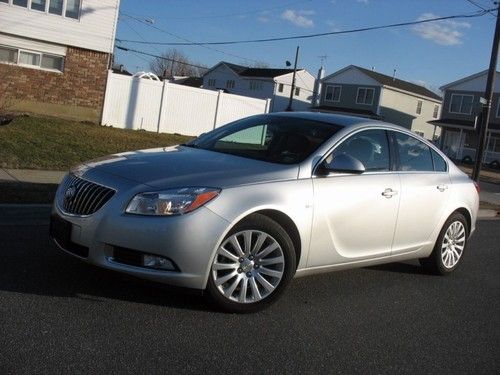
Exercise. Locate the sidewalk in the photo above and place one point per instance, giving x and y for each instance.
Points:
(32, 176)
(490, 193)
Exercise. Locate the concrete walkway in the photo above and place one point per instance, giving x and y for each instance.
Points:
(490, 193)
(31, 175)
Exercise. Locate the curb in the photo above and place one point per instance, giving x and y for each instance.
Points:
(25, 205)
(485, 214)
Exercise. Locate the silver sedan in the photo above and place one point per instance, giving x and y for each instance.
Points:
(241, 210)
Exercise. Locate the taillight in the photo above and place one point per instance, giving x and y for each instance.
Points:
(478, 188)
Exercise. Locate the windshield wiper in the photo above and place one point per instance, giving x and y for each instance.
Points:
(191, 145)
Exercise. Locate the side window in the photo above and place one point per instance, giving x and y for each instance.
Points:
(370, 147)
(439, 163)
(414, 155)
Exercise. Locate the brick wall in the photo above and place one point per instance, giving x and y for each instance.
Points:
(82, 84)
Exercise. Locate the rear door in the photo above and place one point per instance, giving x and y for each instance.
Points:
(425, 189)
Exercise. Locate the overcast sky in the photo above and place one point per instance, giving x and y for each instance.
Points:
(431, 54)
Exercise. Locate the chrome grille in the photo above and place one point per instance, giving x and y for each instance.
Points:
(82, 197)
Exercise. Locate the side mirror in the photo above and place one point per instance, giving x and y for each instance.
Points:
(343, 164)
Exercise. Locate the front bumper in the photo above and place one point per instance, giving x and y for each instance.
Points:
(189, 240)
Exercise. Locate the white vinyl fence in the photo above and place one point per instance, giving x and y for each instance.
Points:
(137, 103)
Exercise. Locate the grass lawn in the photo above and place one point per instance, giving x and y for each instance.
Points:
(53, 144)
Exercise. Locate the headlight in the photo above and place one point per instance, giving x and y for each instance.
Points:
(171, 202)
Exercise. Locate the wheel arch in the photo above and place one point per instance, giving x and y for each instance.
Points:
(286, 222)
(468, 217)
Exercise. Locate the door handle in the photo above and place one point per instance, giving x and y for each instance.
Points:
(388, 193)
(442, 188)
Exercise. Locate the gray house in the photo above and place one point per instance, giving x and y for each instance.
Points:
(461, 107)
(363, 92)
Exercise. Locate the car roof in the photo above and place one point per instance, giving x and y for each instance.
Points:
(345, 121)
(331, 118)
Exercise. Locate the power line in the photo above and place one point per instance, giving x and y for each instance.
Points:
(138, 34)
(480, 7)
(160, 57)
(186, 42)
(308, 36)
(137, 52)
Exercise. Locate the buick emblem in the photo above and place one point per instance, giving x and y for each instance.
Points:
(69, 194)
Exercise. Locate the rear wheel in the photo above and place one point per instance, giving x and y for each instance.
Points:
(449, 248)
(252, 266)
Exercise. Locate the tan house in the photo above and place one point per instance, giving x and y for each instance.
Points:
(364, 92)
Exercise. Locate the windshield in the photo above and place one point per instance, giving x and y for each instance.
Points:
(275, 139)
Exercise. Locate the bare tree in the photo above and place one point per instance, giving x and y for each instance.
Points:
(175, 63)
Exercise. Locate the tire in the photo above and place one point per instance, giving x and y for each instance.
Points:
(495, 164)
(450, 246)
(252, 277)
(467, 160)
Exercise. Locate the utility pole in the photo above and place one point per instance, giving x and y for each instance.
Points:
(485, 113)
(289, 108)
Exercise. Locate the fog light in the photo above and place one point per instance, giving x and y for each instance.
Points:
(155, 261)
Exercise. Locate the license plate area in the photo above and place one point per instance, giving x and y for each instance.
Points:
(60, 230)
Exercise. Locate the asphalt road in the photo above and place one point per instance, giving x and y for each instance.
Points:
(58, 315)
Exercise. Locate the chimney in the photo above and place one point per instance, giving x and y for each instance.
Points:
(394, 75)
(317, 87)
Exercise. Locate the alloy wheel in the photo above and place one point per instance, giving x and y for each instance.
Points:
(453, 244)
(248, 266)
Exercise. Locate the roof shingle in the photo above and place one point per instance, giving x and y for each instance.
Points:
(399, 83)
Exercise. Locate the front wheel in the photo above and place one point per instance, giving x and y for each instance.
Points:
(252, 266)
(449, 248)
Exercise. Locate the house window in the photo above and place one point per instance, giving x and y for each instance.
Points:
(332, 93)
(52, 62)
(419, 133)
(72, 8)
(255, 85)
(365, 96)
(38, 5)
(8, 55)
(31, 58)
(461, 104)
(280, 87)
(436, 111)
(496, 144)
(230, 84)
(211, 82)
(20, 3)
(66, 8)
(56, 7)
(297, 91)
(419, 107)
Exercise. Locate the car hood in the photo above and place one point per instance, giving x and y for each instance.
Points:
(185, 166)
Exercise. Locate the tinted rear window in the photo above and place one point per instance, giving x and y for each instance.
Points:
(414, 155)
(439, 163)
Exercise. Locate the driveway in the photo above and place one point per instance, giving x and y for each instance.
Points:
(58, 315)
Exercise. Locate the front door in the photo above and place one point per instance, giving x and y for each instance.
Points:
(355, 215)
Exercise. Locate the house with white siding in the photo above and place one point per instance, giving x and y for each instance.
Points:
(55, 55)
(263, 83)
